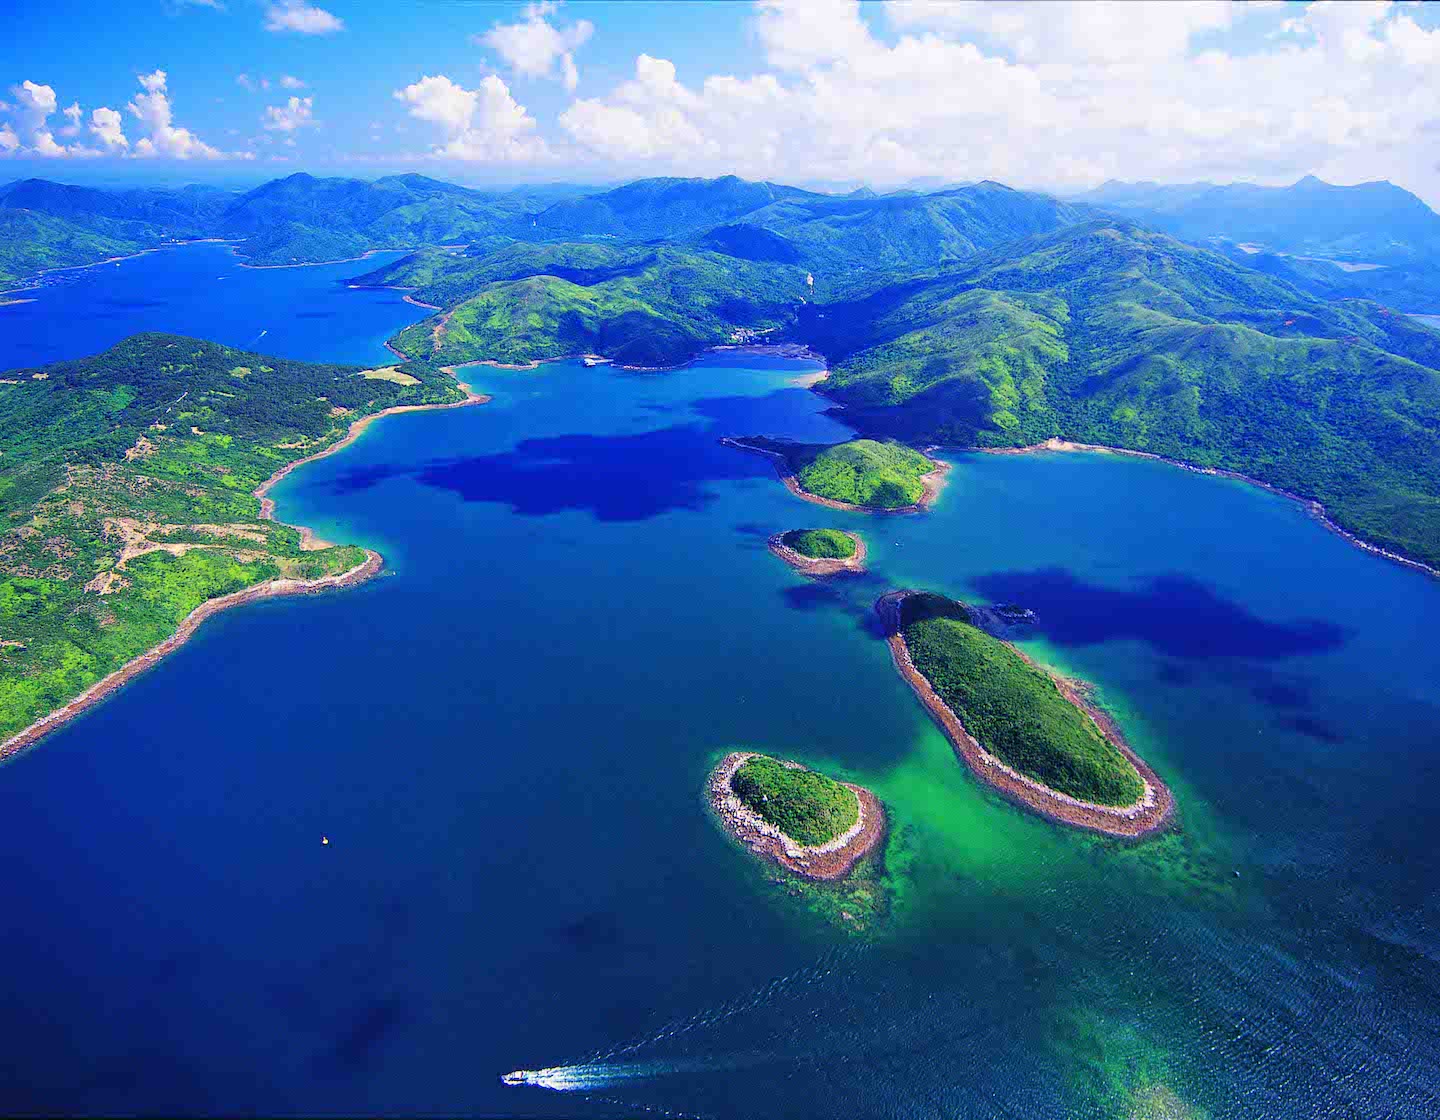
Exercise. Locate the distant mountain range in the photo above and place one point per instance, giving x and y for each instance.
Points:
(1208, 324)
(1372, 240)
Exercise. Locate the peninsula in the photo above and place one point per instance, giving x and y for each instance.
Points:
(863, 475)
(1030, 735)
(820, 552)
(811, 825)
(135, 487)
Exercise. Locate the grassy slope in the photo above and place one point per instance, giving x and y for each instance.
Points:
(865, 472)
(1012, 708)
(1110, 334)
(655, 307)
(820, 544)
(802, 804)
(205, 425)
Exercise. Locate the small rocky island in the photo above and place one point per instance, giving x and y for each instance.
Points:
(811, 825)
(1034, 737)
(865, 475)
(820, 552)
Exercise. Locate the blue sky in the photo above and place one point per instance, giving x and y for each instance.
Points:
(1049, 95)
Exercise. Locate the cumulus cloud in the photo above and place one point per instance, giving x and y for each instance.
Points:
(294, 114)
(1050, 95)
(153, 110)
(297, 16)
(536, 48)
(289, 81)
(72, 114)
(485, 123)
(108, 127)
(30, 134)
(8, 140)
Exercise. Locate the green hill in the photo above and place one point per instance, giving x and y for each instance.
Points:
(1108, 333)
(1012, 708)
(805, 806)
(126, 486)
(642, 306)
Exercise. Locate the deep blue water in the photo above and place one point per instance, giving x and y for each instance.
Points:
(505, 740)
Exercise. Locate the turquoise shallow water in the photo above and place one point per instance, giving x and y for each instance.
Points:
(505, 739)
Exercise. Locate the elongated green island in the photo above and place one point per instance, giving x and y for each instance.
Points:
(860, 474)
(808, 823)
(1030, 735)
(133, 484)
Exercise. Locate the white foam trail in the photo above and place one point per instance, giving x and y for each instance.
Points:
(600, 1075)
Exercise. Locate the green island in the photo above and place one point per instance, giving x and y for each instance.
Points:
(861, 474)
(806, 822)
(127, 483)
(987, 694)
(820, 544)
(805, 806)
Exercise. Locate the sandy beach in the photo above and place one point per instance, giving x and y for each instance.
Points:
(1154, 811)
(829, 861)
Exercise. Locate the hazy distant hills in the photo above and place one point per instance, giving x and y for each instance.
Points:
(1295, 231)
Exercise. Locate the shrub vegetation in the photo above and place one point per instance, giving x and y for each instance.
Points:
(1012, 708)
(820, 544)
(805, 806)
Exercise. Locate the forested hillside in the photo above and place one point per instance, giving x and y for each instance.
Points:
(126, 486)
(1109, 333)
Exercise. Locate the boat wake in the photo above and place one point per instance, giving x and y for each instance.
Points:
(589, 1076)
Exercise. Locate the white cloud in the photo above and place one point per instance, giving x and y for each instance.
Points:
(1049, 95)
(294, 114)
(296, 15)
(153, 110)
(8, 140)
(289, 81)
(107, 125)
(484, 124)
(534, 47)
(72, 114)
(31, 134)
(246, 82)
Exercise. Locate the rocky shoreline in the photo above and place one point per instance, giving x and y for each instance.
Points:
(271, 589)
(1154, 812)
(932, 482)
(1314, 508)
(102, 688)
(821, 566)
(822, 862)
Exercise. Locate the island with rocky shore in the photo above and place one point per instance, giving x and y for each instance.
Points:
(808, 824)
(1032, 736)
(820, 552)
(860, 475)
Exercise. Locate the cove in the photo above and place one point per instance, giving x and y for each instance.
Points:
(506, 741)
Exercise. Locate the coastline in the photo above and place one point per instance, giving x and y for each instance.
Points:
(1316, 509)
(102, 688)
(270, 589)
(932, 482)
(1154, 812)
(823, 566)
(32, 281)
(823, 862)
